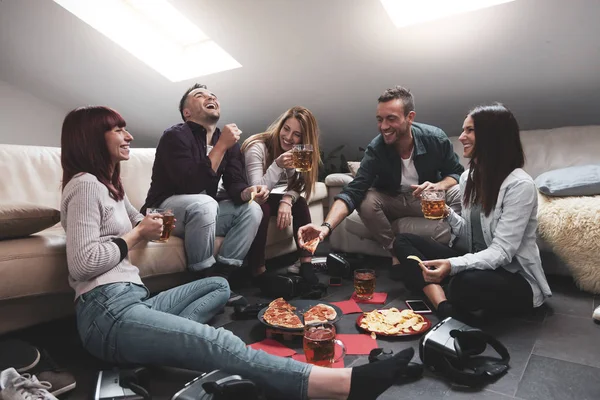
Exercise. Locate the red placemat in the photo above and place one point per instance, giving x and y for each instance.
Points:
(273, 347)
(348, 306)
(378, 298)
(357, 343)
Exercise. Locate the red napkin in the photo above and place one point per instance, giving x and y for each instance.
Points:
(273, 347)
(302, 358)
(348, 306)
(378, 298)
(357, 343)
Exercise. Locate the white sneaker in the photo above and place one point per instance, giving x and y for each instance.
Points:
(596, 314)
(23, 387)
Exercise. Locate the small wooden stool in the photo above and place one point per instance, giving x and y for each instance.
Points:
(286, 335)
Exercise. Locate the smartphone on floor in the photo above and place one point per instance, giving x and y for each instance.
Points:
(335, 281)
(418, 306)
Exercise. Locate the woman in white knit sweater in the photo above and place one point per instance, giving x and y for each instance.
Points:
(117, 319)
(268, 158)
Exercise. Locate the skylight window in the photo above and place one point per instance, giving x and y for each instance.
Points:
(157, 33)
(411, 12)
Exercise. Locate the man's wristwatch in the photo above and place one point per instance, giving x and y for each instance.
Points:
(328, 225)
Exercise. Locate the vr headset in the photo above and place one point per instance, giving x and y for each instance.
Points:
(452, 348)
(128, 384)
(219, 385)
(338, 266)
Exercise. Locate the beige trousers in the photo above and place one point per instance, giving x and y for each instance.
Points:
(379, 210)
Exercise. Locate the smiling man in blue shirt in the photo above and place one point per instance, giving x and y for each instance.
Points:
(399, 164)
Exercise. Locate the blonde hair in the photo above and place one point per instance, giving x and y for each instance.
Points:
(301, 182)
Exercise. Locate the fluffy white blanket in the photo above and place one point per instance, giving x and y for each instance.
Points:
(571, 225)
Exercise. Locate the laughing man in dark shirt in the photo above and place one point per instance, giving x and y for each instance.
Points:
(399, 164)
(191, 158)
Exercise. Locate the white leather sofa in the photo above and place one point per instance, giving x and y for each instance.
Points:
(33, 270)
(545, 150)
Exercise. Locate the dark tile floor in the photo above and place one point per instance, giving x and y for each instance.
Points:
(555, 353)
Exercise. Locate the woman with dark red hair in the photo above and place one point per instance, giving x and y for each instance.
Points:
(117, 319)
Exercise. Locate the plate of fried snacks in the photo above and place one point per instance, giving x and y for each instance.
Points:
(393, 322)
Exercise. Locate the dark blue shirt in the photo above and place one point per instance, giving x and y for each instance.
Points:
(181, 166)
(381, 166)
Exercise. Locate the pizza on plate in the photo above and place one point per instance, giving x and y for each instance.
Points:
(311, 245)
(281, 313)
(320, 313)
(281, 303)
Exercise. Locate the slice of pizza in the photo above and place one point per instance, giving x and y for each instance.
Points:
(311, 245)
(312, 317)
(282, 318)
(328, 311)
(274, 316)
(282, 304)
(292, 321)
(320, 313)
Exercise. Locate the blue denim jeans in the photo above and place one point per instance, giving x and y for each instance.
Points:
(200, 218)
(120, 323)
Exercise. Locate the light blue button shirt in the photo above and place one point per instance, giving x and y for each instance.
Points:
(509, 232)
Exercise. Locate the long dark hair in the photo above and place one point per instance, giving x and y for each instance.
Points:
(498, 151)
(83, 146)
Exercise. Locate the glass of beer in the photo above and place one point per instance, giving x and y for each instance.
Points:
(433, 204)
(302, 157)
(168, 222)
(319, 344)
(364, 283)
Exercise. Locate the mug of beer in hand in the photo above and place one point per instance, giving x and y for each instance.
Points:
(302, 157)
(319, 344)
(168, 222)
(433, 204)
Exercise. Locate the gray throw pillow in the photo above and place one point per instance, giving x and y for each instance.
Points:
(582, 180)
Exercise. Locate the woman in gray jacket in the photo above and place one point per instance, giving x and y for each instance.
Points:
(494, 262)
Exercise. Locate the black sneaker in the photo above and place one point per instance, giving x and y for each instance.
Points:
(18, 354)
(47, 370)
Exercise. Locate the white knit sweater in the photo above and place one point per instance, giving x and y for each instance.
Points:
(92, 219)
(273, 176)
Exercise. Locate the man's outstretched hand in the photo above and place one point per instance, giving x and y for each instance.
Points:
(309, 232)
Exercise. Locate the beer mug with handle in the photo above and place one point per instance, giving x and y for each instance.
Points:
(319, 344)
(302, 157)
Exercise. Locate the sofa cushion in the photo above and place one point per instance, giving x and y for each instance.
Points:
(319, 193)
(353, 166)
(583, 180)
(336, 180)
(42, 258)
(24, 219)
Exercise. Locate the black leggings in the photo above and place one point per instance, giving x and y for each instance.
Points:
(494, 290)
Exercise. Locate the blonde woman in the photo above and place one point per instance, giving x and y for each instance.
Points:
(268, 158)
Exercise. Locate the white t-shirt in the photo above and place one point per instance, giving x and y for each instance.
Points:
(409, 174)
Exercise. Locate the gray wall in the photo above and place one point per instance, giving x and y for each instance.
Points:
(540, 57)
(26, 119)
